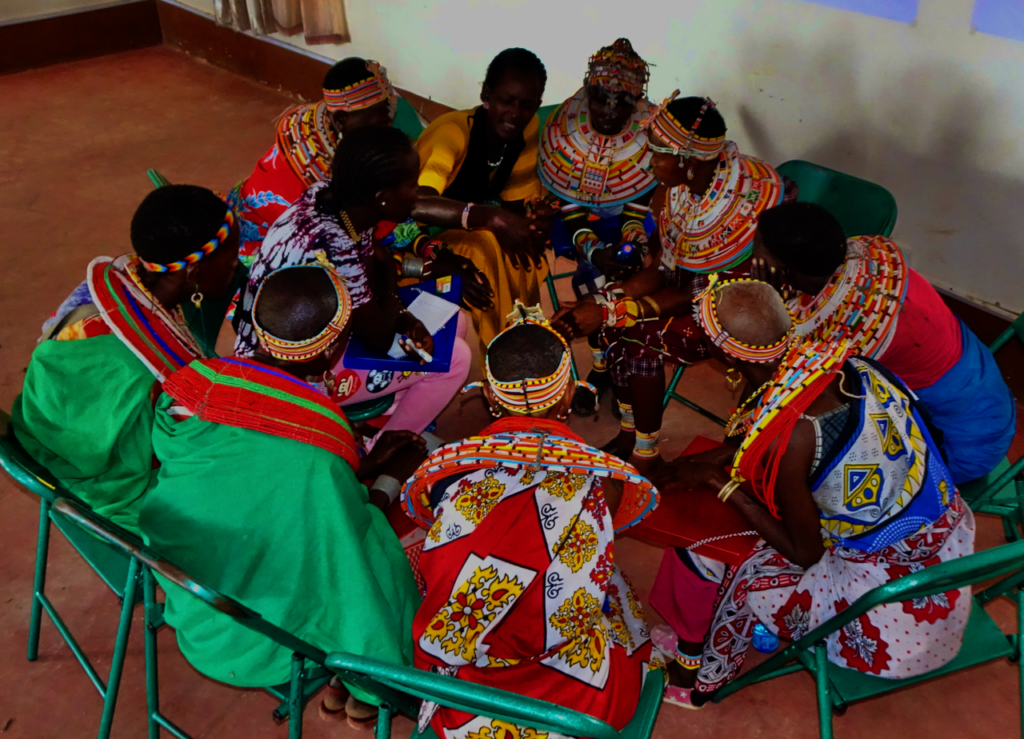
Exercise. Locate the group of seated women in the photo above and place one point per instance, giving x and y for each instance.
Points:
(865, 401)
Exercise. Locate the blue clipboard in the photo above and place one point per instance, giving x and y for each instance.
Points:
(358, 356)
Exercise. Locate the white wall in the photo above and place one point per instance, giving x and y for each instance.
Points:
(929, 110)
(17, 11)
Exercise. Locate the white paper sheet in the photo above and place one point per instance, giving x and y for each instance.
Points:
(433, 311)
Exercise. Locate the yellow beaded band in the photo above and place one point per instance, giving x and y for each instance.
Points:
(307, 349)
(707, 316)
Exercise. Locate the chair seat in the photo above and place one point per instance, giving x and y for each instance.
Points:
(369, 408)
(983, 642)
(1007, 496)
(110, 563)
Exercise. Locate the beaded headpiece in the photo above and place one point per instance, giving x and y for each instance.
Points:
(684, 141)
(359, 95)
(208, 248)
(530, 394)
(707, 315)
(618, 67)
(305, 350)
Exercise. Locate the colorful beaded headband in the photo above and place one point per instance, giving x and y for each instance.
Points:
(531, 394)
(307, 349)
(362, 94)
(616, 67)
(707, 316)
(208, 248)
(682, 140)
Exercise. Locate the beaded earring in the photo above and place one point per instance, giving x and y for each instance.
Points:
(329, 381)
(734, 378)
(197, 298)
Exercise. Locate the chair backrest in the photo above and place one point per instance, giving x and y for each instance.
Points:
(1014, 329)
(24, 470)
(544, 113)
(1005, 560)
(407, 120)
(479, 700)
(862, 208)
(133, 546)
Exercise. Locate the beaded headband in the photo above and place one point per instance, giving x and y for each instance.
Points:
(707, 316)
(360, 95)
(531, 394)
(617, 67)
(305, 350)
(208, 248)
(683, 141)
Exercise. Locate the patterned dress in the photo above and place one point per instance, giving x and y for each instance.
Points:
(888, 508)
(295, 238)
(522, 590)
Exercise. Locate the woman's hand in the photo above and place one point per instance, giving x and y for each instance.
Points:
(515, 237)
(578, 319)
(394, 452)
(476, 290)
(419, 337)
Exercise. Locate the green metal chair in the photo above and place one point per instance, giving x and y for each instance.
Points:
(306, 679)
(382, 679)
(983, 640)
(119, 572)
(407, 120)
(862, 208)
(1001, 491)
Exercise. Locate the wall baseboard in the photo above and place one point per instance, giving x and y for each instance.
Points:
(68, 38)
(276, 65)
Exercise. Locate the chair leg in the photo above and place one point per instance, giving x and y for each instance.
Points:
(551, 290)
(120, 646)
(824, 687)
(384, 714)
(150, 607)
(296, 699)
(39, 581)
(670, 391)
(1020, 657)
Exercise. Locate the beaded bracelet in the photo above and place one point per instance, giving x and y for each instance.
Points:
(586, 242)
(621, 313)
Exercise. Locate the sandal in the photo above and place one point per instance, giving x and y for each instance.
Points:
(682, 697)
(332, 706)
(361, 716)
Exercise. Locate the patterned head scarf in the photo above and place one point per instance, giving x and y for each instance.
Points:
(707, 316)
(305, 350)
(618, 68)
(374, 89)
(683, 141)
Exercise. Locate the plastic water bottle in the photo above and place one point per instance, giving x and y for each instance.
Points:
(764, 641)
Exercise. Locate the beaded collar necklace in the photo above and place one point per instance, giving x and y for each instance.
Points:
(174, 318)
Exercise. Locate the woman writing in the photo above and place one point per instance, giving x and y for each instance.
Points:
(478, 178)
(374, 180)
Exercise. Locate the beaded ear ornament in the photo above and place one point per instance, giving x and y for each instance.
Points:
(360, 95)
(531, 394)
(307, 349)
(684, 142)
(208, 248)
(707, 316)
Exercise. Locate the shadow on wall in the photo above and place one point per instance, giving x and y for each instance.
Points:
(960, 226)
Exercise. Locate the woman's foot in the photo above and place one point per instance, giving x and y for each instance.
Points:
(332, 706)
(681, 697)
(361, 716)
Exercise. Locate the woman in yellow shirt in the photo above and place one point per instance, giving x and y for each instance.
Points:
(478, 178)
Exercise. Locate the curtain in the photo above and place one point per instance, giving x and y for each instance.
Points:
(320, 21)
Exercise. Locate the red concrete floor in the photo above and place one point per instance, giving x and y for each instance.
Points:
(75, 142)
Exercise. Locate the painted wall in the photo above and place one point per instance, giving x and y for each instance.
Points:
(13, 11)
(929, 110)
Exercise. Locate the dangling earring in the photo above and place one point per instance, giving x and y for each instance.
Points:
(329, 383)
(197, 298)
(734, 378)
(563, 416)
(689, 173)
(682, 161)
(495, 413)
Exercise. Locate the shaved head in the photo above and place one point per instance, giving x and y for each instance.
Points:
(296, 304)
(752, 312)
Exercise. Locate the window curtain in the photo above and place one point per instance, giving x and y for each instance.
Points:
(319, 21)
